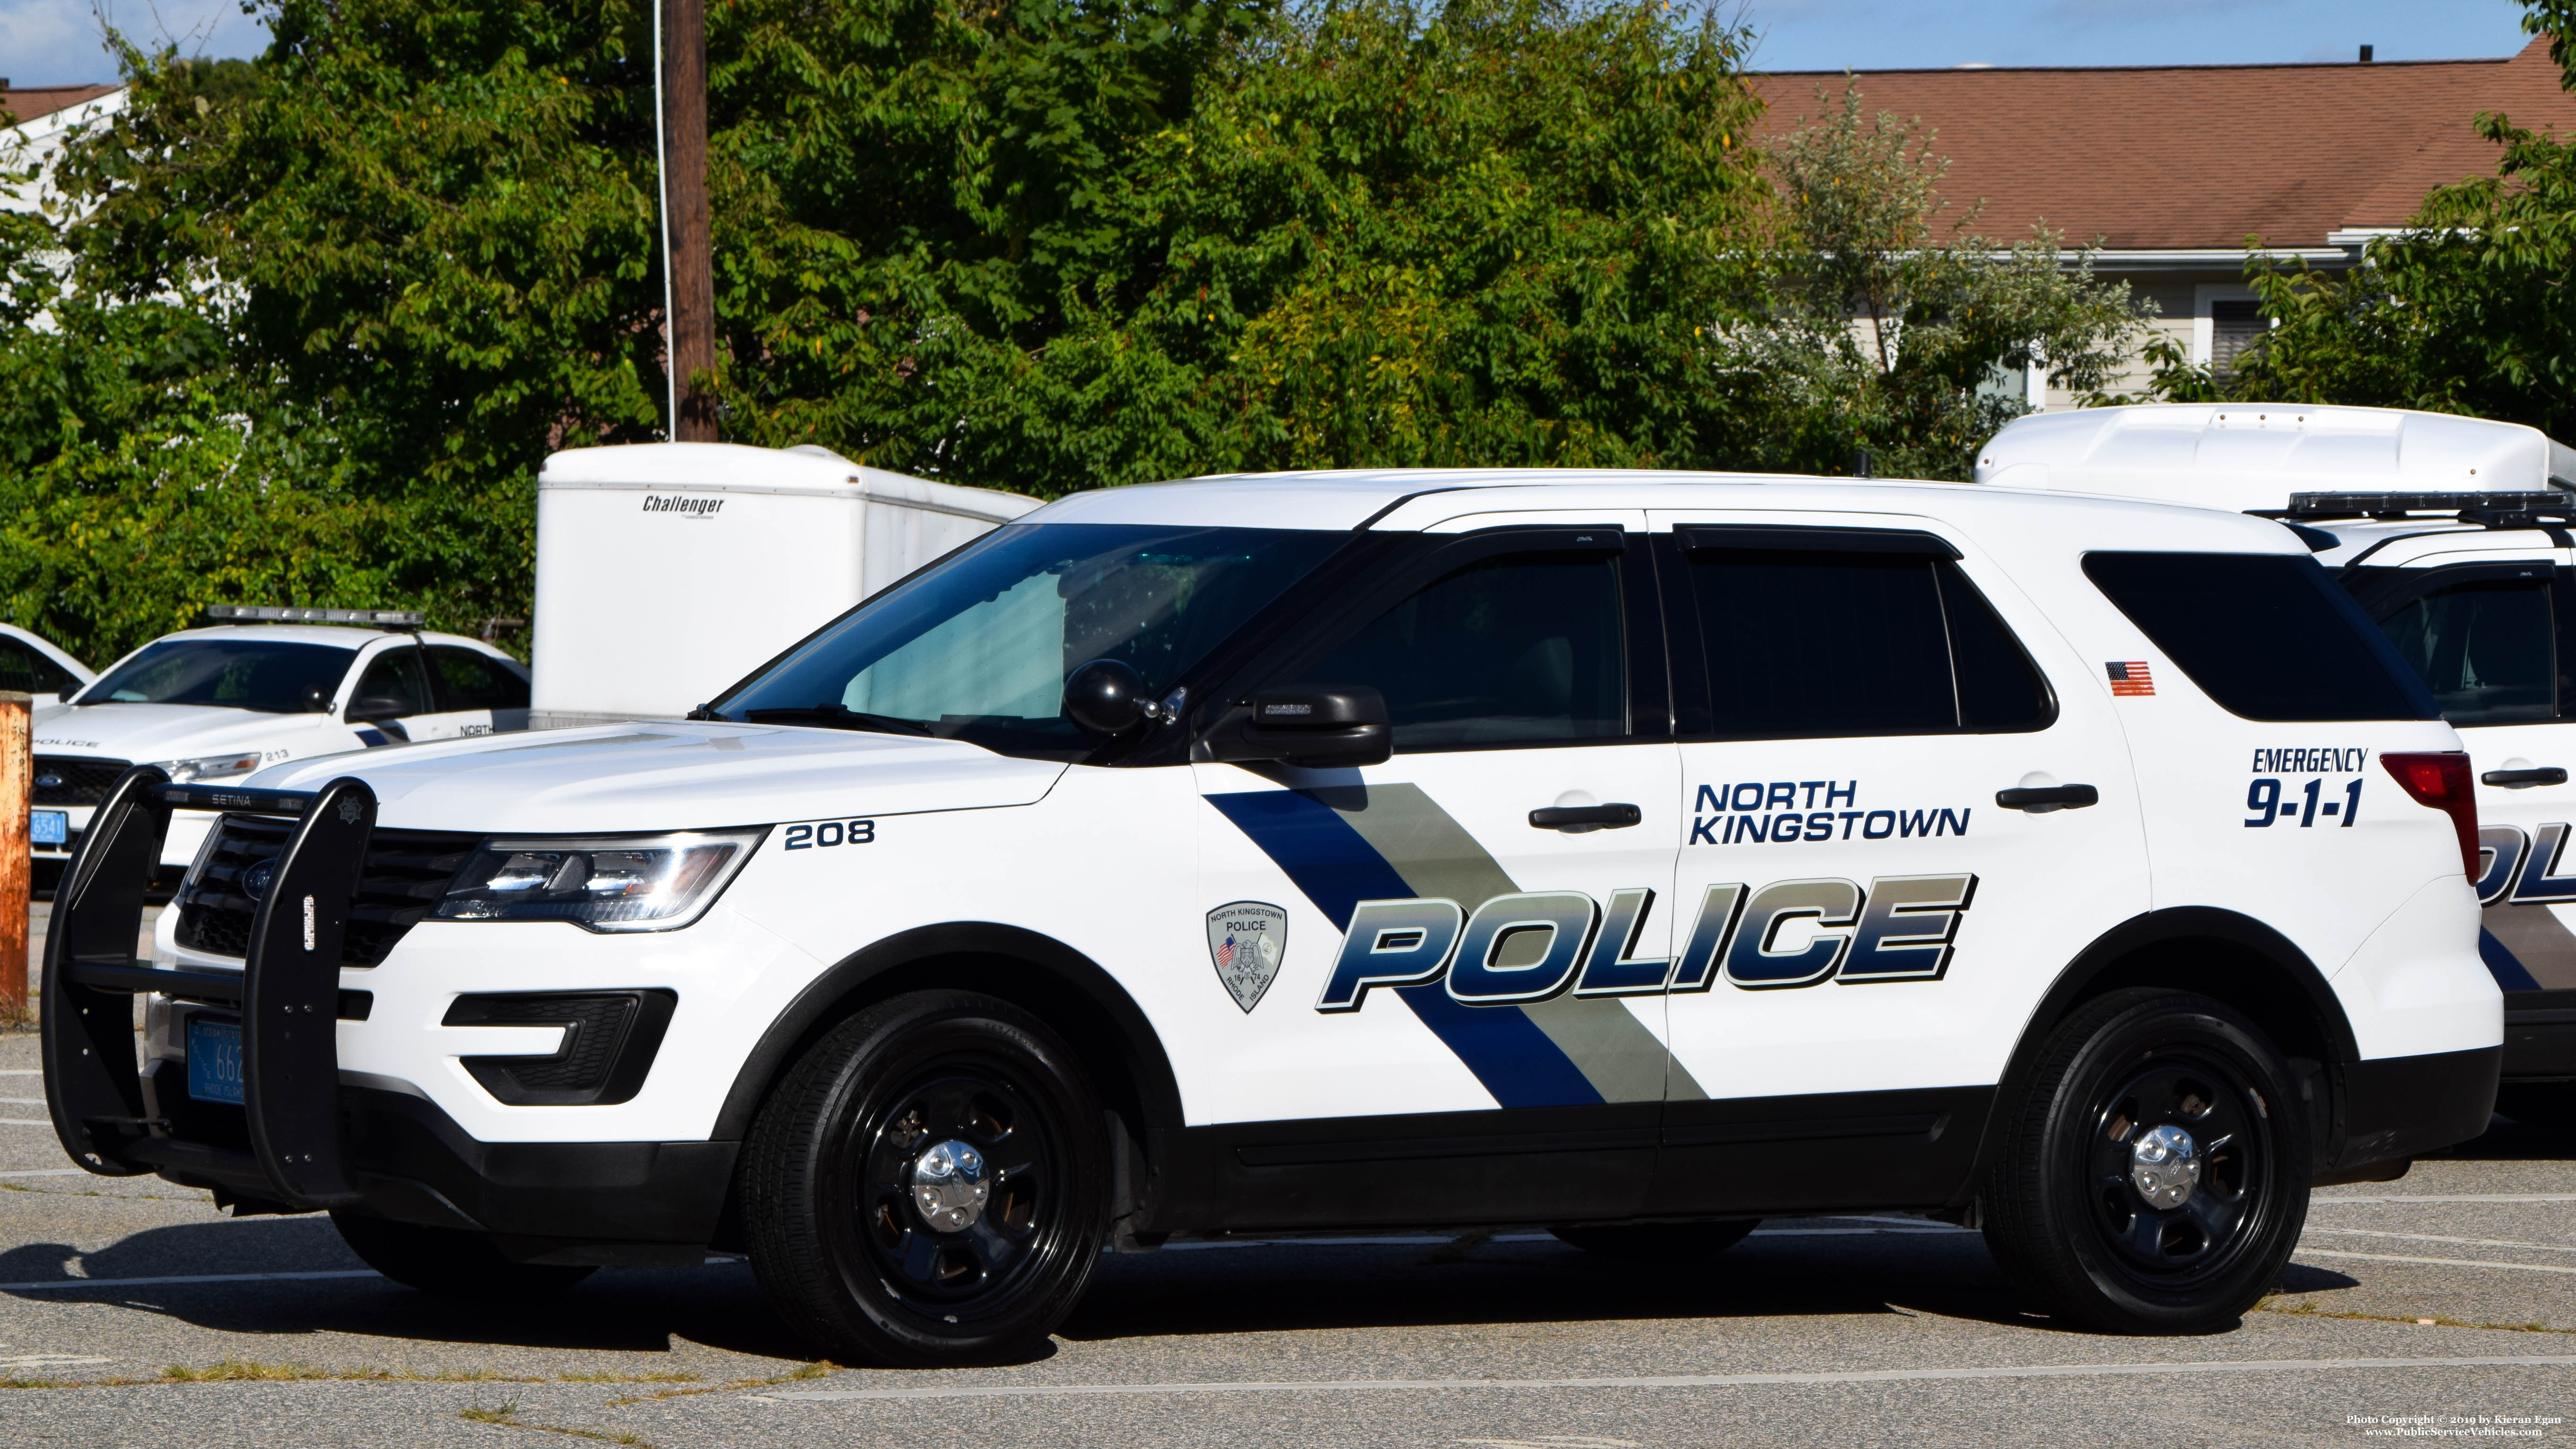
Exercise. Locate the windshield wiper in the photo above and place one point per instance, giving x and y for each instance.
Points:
(834, 716)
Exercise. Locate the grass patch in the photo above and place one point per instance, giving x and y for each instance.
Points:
(820, 1368)
(2308, 1309)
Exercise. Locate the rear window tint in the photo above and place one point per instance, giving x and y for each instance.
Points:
(1824, 644)
(2268, 636)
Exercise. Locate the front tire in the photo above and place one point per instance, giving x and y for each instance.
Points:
(929, 1185)
(2153, 1177)
(449, 1262)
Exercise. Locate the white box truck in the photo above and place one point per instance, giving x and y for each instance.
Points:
(667, 571)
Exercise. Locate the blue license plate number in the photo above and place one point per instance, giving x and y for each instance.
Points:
(49, 827)
(214, 1061)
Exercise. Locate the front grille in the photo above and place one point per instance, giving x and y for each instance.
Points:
(76, 781)
(406, 874)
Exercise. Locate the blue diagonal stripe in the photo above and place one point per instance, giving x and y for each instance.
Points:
(1337, 869)
(2503, 965)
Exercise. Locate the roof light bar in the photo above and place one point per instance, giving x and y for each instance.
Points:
(280, 614)
(2347, 505)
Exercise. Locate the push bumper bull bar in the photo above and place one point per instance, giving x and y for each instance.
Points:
(288, 994)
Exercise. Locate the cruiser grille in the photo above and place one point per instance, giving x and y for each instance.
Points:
(406, 873)
(75, 781)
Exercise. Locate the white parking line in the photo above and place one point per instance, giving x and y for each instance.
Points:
(50, 1172)
(2306, 1252)
(2463, 1242)
(22, 1071)
(22, 1101)
(25, 1122)
(52, 1283)
(1695, 1381)
(2458, 1197)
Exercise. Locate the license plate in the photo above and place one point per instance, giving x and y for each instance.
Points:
(49, 827)
(214, 1061)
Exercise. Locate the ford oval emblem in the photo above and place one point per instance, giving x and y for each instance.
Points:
(49, 782)
(256, 880)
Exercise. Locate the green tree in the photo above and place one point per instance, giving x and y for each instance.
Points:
(1049, 248)
(1885, 329)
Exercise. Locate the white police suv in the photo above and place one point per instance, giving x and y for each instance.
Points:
(259, 686)
(1639, 855)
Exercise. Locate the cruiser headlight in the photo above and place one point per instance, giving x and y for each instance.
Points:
(208, 767)
(599, 882)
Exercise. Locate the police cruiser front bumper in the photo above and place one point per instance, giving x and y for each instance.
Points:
(301, 1139)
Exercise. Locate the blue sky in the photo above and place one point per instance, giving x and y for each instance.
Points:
(58, 40)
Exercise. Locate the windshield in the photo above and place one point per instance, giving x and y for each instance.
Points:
(261, 674)
(979, 647)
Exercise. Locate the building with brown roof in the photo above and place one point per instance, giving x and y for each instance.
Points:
(39, 120)
(27, 103)
(2169, 169)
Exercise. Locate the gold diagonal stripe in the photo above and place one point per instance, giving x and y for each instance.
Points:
(1615, 1052)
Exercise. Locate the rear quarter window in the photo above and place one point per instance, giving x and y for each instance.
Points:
(2268, 636)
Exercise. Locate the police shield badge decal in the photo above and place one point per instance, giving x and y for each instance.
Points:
(1247, 940)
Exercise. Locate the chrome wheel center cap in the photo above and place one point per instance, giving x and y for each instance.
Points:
(2164, 1165)
(948, 1186)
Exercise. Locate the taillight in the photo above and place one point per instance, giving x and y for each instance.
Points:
(2442, 781)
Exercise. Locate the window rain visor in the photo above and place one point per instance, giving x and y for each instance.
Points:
(262, 674)
(978, 647)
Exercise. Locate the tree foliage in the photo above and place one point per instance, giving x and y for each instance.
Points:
(1881, 328)
(311, 323)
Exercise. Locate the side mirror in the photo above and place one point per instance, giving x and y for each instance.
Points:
(1320, 726)
(1106, 697)
(378, 707)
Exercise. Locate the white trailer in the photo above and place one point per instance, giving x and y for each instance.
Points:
(667, 571)
(2241, 456)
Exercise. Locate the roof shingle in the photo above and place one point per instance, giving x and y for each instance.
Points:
(2154, 157)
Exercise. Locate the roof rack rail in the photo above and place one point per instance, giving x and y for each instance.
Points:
(2495, 510)
(410, 619)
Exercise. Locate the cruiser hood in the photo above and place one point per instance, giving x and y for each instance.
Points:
(670, 776)
(145, 733)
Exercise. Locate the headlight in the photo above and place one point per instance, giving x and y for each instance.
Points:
(600, 882)
(208, 767)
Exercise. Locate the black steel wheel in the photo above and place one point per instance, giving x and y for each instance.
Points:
(929, 1184)
(1657, 1242)
(449, 1262)
(2154, 1175)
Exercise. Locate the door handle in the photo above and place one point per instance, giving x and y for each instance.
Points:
(2073, 797)
(1575, 817)
(2524, 779)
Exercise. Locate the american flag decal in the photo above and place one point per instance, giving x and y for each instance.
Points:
(2131, 678)
(1225, 954)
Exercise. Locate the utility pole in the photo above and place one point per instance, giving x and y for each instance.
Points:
(688, 274)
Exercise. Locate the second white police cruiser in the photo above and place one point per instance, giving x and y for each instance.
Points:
(259, 685)
(1639, 855)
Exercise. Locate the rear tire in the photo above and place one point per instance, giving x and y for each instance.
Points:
(942, 1088)
(2092, 1210)
(449, 1262)
(1657, 1242)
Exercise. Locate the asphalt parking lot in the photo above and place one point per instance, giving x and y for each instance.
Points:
(2442, 1305)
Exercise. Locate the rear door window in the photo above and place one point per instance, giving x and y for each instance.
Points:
(1829, 643)
(2484, 647)
(2268, 636)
